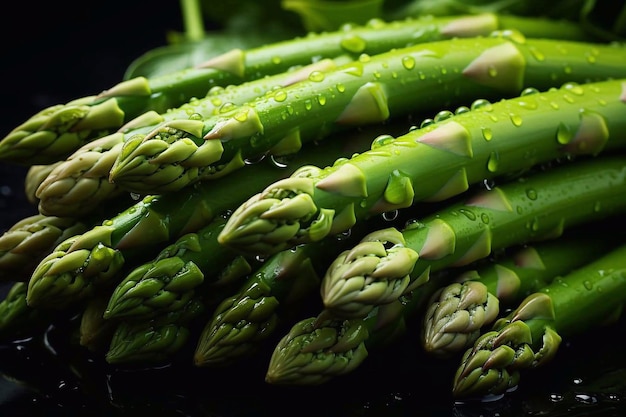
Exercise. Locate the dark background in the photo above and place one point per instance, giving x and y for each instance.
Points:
(52, 52)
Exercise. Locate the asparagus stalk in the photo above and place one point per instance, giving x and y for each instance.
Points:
(432, 163)
(247, 317)
(152, 340)
(458, 312)
(530, 335)
(531, 208)
(35, 175)
(55, 132)
(80, 183)
(26, 243)
(173, 278)
(370, 90)
(16, 317)
(84, 262)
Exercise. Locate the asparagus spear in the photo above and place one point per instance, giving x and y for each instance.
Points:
(369, 90)
(81, 263)
(530, 335)
(531, 209)
(26, 243)
(55, 132)
(171, 280)
(152, 340)
(458, 312)
(16, 317)
(247, 317)
(80, 183)
(437, 161)
(35, 175)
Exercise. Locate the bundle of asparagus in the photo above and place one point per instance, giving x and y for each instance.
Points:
(298, 195)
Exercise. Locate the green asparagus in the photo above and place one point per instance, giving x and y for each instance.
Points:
(55, 132)
(171, 280)
(530, 335)
(432, 163)
(538, 207)
(531, 208)
(80, 183)
(152, 340)
(82, 263)
(370, 90)
(248, 317)
(458, 312)
(35, 175)
(16, 317)
(29, 240)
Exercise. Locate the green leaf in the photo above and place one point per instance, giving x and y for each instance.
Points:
(180, 54)
(327, 15)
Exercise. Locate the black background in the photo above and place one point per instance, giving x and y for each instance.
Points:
(52, 52)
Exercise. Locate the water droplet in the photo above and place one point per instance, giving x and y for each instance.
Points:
(389, 216)
(412, 224)
(443, 115)
(276, 60)
(321, 99)
(353, 43)
(280, 96)
(426, 122)
(515, 119)
(308, 104)
(586, 399)
(408, 62)
(365, 58)
(528, 104)
(255, 159)
(534, 225)
(556, 397)
(482, 104)
(492, 162)
(343, 235)
(568, 98)
(489, 184)
(226, 107)
(107, 223)
(377, 74)
(461, 110)
(531, 193)
(467, 213)
(492, 71)
(340, 87)
(588, 284)
(316, 76)
(574, 88)
(135, 196)
(564, 134)
(529, 91)
(597, 206)
(382, 140)
(195, 116)
(279, 161)
(487, 133)
(484, 218)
